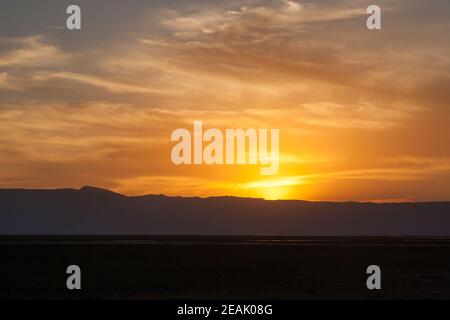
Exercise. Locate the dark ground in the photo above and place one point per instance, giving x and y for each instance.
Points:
(182, 267)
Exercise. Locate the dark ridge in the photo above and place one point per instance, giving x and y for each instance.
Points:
(91, 211)
(99, 191)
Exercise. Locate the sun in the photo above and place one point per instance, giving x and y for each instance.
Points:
(274, 193)
(274, 189)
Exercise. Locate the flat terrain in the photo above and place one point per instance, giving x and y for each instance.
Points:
(180, 267)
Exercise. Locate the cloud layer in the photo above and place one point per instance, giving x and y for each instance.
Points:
(357, 109)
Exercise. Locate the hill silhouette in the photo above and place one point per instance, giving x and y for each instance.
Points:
(91, 210)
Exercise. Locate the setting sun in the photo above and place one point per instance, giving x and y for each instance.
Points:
(273, 189)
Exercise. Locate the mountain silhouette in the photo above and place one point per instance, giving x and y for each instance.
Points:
(91, 210)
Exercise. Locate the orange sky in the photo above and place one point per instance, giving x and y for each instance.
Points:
(363, 115)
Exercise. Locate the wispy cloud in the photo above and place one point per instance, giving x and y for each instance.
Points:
(99, 82)
(5, 82)
(32, 51)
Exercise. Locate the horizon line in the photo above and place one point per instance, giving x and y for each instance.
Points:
(100, 189)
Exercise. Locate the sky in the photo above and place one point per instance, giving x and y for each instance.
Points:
(363, 115)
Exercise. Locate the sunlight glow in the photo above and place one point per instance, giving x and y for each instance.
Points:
(274, 189)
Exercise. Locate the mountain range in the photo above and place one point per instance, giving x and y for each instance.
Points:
(95, 211)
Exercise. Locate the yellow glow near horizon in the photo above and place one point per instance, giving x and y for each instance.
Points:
(275, 193)
(274, 189)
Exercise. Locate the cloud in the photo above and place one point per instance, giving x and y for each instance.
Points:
(253, 21)
(5, 82)
(99, 82)
(59, 131)
(32, 51)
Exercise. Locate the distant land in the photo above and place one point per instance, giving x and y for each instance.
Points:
(95, 211)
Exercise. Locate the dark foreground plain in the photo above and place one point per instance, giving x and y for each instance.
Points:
(202, 267)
